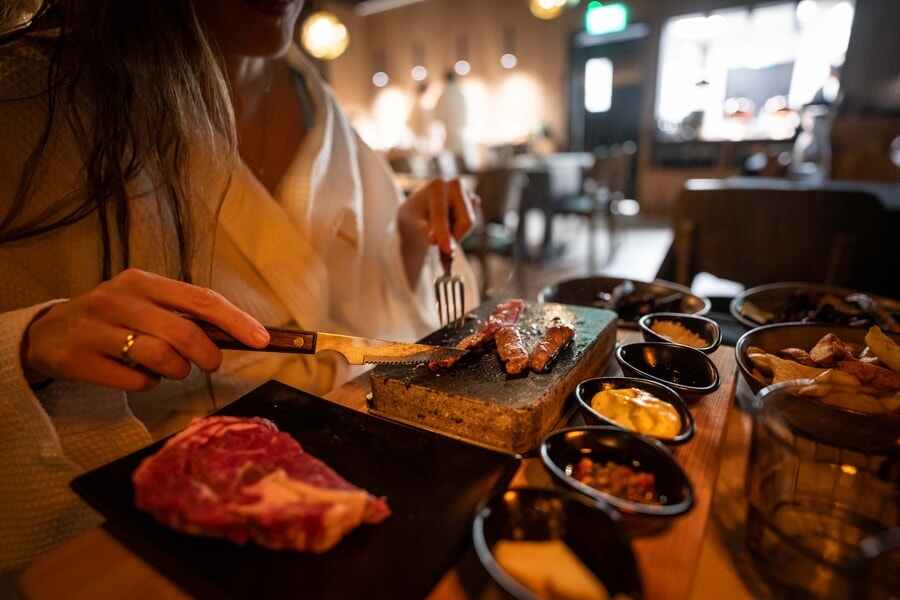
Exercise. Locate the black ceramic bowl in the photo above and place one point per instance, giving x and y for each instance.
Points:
(761, 305)
(586, 390)
(595, 291)
(772, 338)
(561, 450)
(704, 327)
(590, 528)
(686, 370)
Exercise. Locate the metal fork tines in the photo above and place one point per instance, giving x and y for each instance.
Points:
(450, 294)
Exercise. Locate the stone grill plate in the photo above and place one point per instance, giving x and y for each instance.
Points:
(476, 400)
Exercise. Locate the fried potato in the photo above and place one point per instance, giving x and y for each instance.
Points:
(887, 351)
(871, 374)
(837, 376)
(782, 369)
(856, 401)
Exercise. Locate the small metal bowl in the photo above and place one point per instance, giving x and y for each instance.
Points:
(591, 529)
(586, 390)
(686, 370)
(561, 450)
(704, 327)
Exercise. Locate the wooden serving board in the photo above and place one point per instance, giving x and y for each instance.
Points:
(476, 400)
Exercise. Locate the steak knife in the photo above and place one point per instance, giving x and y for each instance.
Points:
(356, 350)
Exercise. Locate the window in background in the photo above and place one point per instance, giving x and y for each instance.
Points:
(598, 85)
(743, 73)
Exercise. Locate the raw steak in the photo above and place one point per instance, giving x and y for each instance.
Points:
(244, 480)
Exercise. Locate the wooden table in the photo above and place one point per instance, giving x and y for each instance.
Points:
(94, 564)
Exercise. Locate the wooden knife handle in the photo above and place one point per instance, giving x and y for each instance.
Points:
(282, 340)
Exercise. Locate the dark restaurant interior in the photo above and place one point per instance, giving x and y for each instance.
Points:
(675, 100)
(714, 164)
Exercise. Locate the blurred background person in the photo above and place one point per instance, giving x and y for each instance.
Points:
(450, 110)
(420, 120)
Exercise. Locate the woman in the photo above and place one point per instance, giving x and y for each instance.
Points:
(173, 158)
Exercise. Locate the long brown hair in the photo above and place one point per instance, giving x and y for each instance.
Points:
(155, 87)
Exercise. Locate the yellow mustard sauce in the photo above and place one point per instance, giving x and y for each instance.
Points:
(639, 411)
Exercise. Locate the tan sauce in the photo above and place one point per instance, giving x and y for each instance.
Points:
(678, 333)
(639, 411)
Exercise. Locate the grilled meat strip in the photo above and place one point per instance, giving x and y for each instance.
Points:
(504, 315)
(559, 334)
(511, 350)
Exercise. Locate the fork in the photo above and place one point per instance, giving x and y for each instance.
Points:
(449, 294)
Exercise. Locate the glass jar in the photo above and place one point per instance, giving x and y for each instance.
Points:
(822, 482)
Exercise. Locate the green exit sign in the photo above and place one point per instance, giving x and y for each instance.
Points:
(605, 18)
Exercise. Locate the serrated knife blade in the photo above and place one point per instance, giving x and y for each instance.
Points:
(356, 350)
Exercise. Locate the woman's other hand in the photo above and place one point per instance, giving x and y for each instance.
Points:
(129, 331)
(441, 212)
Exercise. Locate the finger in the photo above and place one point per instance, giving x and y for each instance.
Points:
(169, 342)
(202, 302)
(463, 210)
(149, 353)
(89, 365)
(146, 303)
(112, 373)
(439, 214)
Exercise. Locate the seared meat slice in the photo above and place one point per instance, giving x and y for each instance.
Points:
(504, 315)
(555, 339)
(511, 350)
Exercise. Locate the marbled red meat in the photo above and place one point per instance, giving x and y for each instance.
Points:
(244, 480)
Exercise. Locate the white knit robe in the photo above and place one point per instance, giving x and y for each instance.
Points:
(323, 253)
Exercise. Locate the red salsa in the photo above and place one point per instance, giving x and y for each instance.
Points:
(618, 480)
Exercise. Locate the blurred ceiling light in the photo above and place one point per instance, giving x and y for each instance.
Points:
(508, 60)
(419, 73)
(547, 9)
(380, 79)
(462, 67)
(324, 36)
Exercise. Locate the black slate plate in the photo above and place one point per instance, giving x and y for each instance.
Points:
(433, 484)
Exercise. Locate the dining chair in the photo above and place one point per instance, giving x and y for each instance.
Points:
(500, 191)
(755, 236)
(603, 186)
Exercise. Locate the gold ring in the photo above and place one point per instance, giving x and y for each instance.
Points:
(126, 348)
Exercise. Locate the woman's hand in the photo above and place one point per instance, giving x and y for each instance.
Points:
(128, 332)
(441, 212)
